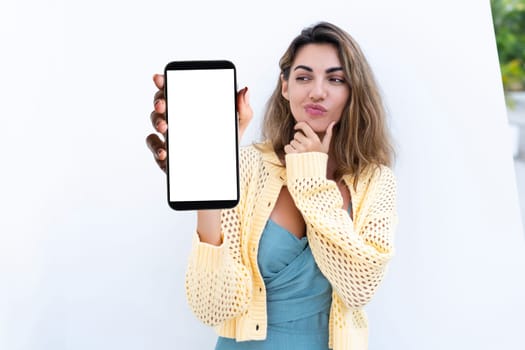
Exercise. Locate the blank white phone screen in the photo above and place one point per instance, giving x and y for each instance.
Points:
(201, 135)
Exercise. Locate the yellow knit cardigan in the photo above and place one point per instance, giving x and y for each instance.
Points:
(224, 287)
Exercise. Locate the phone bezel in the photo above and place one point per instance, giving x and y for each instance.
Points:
(200, 65)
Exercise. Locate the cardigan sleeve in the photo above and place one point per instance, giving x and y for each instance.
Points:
(352, 256)
(218, 284)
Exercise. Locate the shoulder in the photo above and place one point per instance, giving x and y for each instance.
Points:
(259, 153)
(376, 179)
(250, 161)
(383, 182)
(376, 173)
(383, 173)
(249, 151)
(249, 156)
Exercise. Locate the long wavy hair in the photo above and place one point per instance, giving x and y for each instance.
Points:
(361, 138)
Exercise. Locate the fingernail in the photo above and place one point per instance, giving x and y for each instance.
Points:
(158, 104)
(161, 126)
(246, 95)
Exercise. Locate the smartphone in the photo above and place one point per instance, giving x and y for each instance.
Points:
(201, 141)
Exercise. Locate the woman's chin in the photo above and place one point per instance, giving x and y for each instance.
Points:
(318, 126)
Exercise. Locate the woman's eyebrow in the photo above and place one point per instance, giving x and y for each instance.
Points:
(303, 67)
(334, 69)
(309, 69)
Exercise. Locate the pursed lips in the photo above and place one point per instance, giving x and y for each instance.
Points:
(315, 109)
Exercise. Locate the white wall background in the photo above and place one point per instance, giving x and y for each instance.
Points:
(91, 257)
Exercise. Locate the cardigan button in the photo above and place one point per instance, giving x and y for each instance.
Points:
(257, 327)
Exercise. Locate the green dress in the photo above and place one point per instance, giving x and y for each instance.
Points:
(298, 296)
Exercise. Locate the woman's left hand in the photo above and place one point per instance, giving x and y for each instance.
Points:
(306, 140)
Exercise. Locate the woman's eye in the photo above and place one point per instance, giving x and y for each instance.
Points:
(337, 80)
(302, 78)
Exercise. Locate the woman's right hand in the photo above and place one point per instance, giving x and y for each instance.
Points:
(158, 119)
(208, 221)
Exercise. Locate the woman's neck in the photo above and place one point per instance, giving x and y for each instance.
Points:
(331, 167)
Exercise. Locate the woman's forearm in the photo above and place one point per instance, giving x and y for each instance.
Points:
(209, 226)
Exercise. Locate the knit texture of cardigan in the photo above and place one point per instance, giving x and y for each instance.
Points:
(224, 286)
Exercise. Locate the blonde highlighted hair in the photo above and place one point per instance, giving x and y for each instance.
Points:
(361, 138)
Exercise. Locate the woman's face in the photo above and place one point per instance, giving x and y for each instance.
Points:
(316, 89)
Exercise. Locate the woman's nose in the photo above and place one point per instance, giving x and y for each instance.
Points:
(318, 91)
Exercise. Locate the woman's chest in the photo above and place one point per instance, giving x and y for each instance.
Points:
(286, 214)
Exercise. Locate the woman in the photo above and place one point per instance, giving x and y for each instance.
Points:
(292, 266)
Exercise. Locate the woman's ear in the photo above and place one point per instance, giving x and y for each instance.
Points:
(284, 87)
